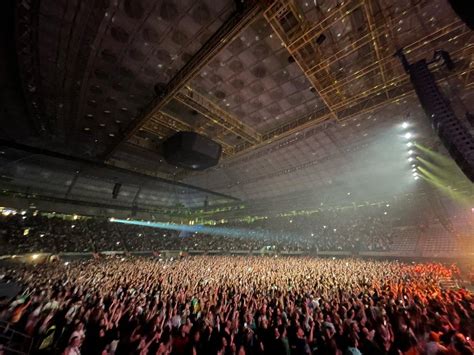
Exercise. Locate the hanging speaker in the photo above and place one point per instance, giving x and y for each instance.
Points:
(452, 132)
(192, 151)
(465, 10)
(116, 190)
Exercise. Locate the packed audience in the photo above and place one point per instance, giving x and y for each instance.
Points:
(323, 231)
(343, 229)
(235, 305)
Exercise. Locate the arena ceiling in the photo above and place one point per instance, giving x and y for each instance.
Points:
(289, 88)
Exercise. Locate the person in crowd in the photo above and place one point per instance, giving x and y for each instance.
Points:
(239, 305)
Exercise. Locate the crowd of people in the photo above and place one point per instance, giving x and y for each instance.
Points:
(335, 230)
(323, 231)
(236, 305)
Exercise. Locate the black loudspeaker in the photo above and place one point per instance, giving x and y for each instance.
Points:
(452, 132)
(465, 10)
(190, 150)
(116, 190)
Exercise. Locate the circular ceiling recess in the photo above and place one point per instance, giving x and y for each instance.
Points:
(162, 55)
(201, 14)
(261, 51)
(136, 54)
(126, 73)
(257, 88)
(215, 78)
(259, 71)
(101, 74)
(150, 71)
(118, 86)
(134, 9)
(96, 89)
(111, 101)
(142, 86)
(237, 84)
(92, 103)
(119, 34)
(236, 46)
(150, 35)
(168, 11)
(220, 94)
(236, 66)
(109, 56)
(179, 37)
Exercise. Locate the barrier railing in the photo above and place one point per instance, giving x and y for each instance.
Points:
(14, 342)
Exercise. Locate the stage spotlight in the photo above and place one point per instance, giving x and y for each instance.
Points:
(408, 135)
(405, 125)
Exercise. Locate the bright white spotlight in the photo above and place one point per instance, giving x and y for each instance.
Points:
(410, 159)
(413, 165)
(411, 151)
(414, 170)
(405, 125)
(408, 135)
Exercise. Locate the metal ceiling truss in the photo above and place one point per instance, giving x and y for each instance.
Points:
(370, 105)
(324, 70)
(217, 115)
(384, 80)
(238, 21)
(391, 84)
